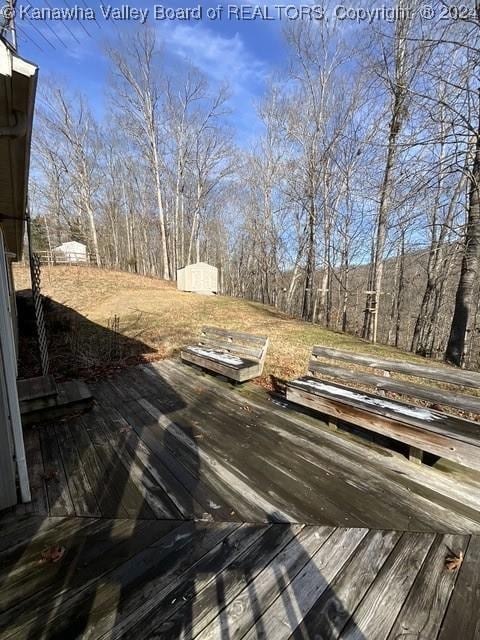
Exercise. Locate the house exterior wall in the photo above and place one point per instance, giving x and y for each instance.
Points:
(13, 301)
(8, 493)
(18, 81)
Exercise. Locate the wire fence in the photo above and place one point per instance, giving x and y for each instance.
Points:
(69, 258)
(35, 270)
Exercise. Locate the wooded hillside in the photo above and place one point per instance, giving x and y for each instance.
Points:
(98, 319)
(356, 206)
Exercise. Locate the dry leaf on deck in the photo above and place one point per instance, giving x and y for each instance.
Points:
(52, 554)
(453, 560)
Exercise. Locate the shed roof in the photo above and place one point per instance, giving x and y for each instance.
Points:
(72, 244)
(199, 264)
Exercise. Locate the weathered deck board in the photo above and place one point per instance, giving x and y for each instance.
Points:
(184, 468)
(254, 432)
(176, 492)
(196, 613)
(60, 501)
(29, 576)
(361, 554)
(123, 438)
(332, 610)
(462, 619)
(164, 441)
(243, 611)
(74, 580)
(376, 614)
(423, 610)
(305, 588)
(116, 472)
(438, 488)
(133, 589)
(293, 472)
(165, 579)
(283, 479)
(18, 529)
(84, 501)
(132, 579)
(108, 495)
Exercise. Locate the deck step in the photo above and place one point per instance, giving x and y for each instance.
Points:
(35, 388)
(71, 397)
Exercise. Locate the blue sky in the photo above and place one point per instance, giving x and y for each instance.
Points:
(242, 52)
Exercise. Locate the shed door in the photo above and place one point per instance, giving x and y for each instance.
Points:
(200, 279)
(8, 493)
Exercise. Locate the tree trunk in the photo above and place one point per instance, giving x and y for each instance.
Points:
(310, 267)
(396, 122)
(93, 232)
(469, 272)
(161, 213)
(372, 307)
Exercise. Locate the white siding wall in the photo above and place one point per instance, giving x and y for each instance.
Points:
(11, 436)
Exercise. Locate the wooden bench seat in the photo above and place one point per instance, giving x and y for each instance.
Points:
(238, 356)
(422, 428)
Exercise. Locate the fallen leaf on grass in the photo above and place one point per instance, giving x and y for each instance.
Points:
(52, 554)
(453, 560)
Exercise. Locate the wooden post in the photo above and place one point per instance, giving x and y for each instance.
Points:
(332, 423)
(415, 455)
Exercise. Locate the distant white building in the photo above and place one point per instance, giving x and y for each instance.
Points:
(199, 278)
(72, 251)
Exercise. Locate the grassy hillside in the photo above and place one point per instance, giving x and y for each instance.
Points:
(155, 320)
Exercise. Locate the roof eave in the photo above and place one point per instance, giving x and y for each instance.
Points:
(18, 82)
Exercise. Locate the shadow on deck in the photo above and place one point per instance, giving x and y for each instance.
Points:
(181, 509)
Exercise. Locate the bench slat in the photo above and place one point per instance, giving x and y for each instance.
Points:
(237, 349)
(237, 336)
(463, 402)
(445, 374)
(223, 358)
(453, 439)
(251, 350)
(403, 412)
(240, 374)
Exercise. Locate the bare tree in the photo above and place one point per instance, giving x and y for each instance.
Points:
(407, 61)
(136, 70)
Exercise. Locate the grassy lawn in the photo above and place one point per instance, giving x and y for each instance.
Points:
(154, 320)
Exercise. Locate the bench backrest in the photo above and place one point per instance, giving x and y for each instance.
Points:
(241, 344)
(437, 396)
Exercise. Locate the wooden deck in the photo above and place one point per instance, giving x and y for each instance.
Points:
(189, 510)
(171, 579)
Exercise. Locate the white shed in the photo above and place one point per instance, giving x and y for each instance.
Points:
(199, 277)
(72, 251)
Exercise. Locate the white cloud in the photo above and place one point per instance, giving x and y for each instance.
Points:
(218, 56)
(222, 59)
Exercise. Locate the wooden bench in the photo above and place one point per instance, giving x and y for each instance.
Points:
(422, 428)
(235, 355)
